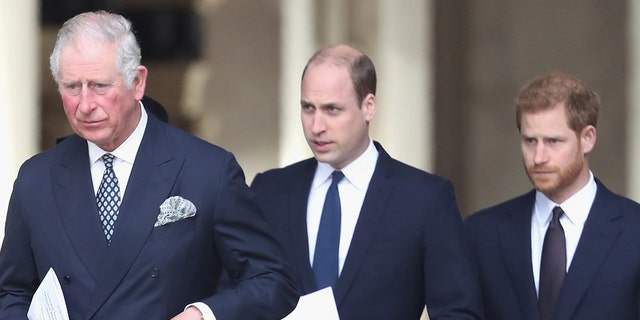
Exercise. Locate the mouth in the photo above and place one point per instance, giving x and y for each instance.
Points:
(91, 123)
(541, 174)
(321, 145)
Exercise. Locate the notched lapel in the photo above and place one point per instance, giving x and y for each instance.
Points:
(375, 202)
(297, 214)
(76, 202)
(601, 230)
(515, 244)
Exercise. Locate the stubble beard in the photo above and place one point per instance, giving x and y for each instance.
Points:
(560, 181)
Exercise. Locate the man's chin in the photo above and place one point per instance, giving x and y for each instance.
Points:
(321, 157)
(91, 137)
(548, 188)
(325, 157)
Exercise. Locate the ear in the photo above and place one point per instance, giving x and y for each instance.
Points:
(369, 107)
(140, 82)
(588, 138)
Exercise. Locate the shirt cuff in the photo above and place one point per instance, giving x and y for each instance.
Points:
(207, 314)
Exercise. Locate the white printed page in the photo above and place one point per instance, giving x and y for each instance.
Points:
(316, 305)
(48, 301)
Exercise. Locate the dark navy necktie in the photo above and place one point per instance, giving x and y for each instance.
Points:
(108, 197)
(325, 258)
(553, 266)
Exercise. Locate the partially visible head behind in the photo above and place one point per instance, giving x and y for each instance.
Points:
(103, 27)
(360, 67)
(581, 103)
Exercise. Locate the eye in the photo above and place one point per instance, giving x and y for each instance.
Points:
(332, 109)
(72, 88)
(307, 107)
(99, 88)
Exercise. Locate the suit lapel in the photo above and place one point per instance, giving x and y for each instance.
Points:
(375, 201)
(76, 202)
(600, 232)
(152, 178)
(297, 214)
(515, 243)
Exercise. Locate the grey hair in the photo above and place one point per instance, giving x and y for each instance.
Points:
(103, 27)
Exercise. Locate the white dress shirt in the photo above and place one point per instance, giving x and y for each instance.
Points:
(125, 155)
(576, 210)
(352, 188)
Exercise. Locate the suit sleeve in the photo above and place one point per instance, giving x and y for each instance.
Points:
(254, 262)
(18, 275)
(451, 282)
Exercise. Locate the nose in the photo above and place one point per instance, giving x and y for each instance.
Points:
(85, 100)
(540, 155)
(318, 124)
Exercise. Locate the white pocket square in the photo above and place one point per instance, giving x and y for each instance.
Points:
(174, 209)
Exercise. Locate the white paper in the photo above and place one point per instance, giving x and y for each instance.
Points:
(316, 305)
(48, 301)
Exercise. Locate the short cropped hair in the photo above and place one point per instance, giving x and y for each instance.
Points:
(359, 65)
(581, 103)
(103, 27)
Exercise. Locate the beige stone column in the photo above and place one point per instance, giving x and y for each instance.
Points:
(19, 92)
(297, 45)
(404, 122)
(633, 130)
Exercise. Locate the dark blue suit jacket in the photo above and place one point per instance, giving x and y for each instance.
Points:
(148, 272)
(603, 281)
(407, 248)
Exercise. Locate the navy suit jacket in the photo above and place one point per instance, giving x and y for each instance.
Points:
(603, 281)
(407, 248)
(148, 272)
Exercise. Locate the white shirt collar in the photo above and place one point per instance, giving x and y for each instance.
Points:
(358, 172)
(129, 148)
(576, 207)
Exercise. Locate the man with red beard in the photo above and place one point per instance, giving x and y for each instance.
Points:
(569, 248)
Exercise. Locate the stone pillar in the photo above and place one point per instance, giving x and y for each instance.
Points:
(404, 121)
(18, 92)
(297, 45)
(633, 129)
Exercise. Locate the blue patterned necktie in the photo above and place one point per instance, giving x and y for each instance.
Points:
(325, 258)
(108, 197)
(553, 267)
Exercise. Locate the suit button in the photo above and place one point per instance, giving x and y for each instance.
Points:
(66, 279)
(154, 272)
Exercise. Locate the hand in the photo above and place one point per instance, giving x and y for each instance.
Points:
(191, 313)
